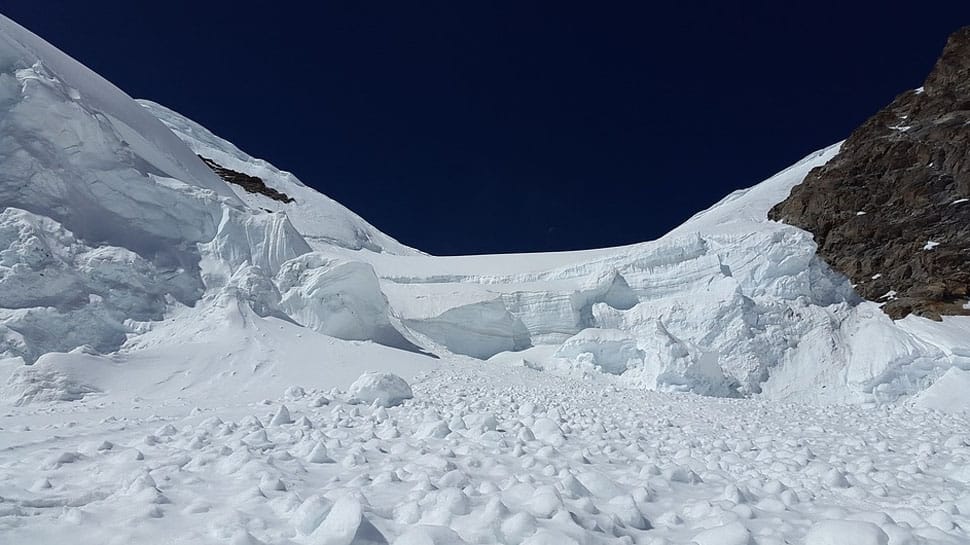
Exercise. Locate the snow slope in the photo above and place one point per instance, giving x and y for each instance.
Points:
(321, 220)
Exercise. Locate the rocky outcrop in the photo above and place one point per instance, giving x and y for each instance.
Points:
(251, 184)
(891, 210)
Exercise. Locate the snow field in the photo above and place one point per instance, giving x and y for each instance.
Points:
(494, 454)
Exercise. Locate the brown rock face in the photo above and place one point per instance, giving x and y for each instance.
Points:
(890, 211)
(251, 184)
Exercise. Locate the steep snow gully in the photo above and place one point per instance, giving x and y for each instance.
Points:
(169, 340)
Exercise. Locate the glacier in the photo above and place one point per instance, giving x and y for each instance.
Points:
(181, 359)
(113, 226)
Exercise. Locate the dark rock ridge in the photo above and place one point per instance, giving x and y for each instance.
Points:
(890, 211)
(252, 184)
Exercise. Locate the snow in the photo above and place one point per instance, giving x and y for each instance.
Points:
(600, 463)
(836, 532)
(382, 389)
(76, 92)
(734, 533)
(611, 350)
(948, 393)
(321, 220)
(178, 364)
(930, 244)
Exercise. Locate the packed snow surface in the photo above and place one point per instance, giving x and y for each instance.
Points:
(185, 362)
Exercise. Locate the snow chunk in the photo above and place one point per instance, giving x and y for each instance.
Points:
(672, 364)
(840, 532)
(54, 377)
(339, 298)
(479, 330)
(612, 350)
(386, 389)
(282, 417)
(319, 455)
(311, 513)
(345, 524)
(730, 534)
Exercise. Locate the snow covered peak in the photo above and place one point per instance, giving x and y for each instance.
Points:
(42, 72)
(322, 221)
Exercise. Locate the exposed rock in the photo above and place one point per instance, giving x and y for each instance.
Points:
(890, 211)
(252, 184)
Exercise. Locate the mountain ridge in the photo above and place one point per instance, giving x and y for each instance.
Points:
(890, 211)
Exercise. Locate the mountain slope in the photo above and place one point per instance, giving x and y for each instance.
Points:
(892, 210)
(322, 221)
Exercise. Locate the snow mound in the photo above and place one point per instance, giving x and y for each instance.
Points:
(950, 393)
(53, 377)
(838, 532)
(384, 389)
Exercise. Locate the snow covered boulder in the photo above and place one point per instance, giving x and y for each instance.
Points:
(386, 389)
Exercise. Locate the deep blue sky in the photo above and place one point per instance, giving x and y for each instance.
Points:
(471, 127)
